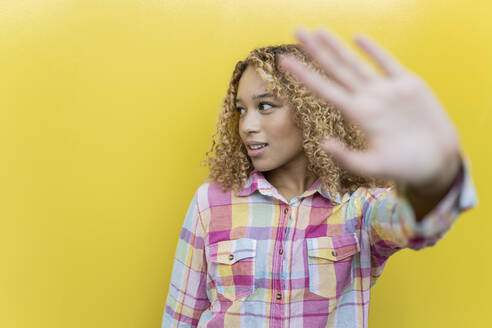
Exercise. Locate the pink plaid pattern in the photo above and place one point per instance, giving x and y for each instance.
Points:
(254, 259)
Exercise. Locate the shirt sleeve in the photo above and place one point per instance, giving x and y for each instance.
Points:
(390, 221)
(187, 297)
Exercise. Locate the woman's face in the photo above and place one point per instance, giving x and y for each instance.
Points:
(267, 119)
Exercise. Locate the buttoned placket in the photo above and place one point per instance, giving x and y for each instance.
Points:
(278, 261)
(280, 250)
(277, 311)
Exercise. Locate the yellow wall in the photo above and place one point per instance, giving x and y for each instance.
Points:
(107, 108)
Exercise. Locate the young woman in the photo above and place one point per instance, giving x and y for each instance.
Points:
(323, 168)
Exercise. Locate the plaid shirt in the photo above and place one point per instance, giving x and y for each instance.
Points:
(254, 259)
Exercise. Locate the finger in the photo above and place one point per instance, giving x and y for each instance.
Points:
(325, 57)
(346, 56)
(321, 86)
(383, 58)
(358, 162)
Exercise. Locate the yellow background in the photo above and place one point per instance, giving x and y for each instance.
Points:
(108, 107)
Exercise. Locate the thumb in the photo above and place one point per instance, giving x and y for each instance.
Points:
(358, 162)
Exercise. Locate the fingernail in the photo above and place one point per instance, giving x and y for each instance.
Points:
(301, 33)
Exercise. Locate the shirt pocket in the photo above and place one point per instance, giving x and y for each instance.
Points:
(330, 263)
(232, 267)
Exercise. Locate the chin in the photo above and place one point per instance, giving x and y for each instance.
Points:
(263, 167)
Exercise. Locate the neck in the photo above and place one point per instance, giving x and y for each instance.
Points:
(291, 179)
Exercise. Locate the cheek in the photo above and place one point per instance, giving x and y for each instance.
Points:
(282, 126)
(287, 136)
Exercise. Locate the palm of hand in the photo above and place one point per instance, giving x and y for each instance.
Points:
(410, 137)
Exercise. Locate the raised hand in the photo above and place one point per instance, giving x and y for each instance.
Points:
(410, 137)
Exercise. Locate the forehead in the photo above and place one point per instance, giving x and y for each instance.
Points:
(251, 81)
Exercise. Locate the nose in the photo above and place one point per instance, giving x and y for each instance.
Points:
(250, 122)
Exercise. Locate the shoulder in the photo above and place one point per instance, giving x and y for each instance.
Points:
(375, 193)
(210, 194)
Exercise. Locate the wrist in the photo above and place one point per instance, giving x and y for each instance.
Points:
(441, 183)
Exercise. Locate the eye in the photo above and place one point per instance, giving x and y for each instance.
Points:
(238, 109)
(261, 106)
(267, 104)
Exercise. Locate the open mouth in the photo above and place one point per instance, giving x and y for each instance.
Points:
(256, 147)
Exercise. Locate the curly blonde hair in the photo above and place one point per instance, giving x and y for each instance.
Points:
(231, 165)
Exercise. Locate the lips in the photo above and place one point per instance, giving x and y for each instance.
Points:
(256, 152)
(256, 146)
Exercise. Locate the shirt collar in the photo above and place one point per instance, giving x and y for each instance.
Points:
(257, 181)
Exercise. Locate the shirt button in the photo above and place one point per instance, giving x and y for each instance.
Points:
(231, 257)
(286, 210)
(334, 253)
(281, 251)
(279, 296)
